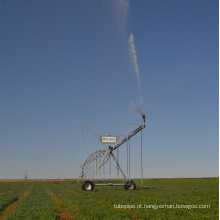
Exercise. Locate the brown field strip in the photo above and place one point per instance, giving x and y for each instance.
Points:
(62, 211)
(73, 192)
(10, 208)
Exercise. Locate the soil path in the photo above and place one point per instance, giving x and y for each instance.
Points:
(10, 208)
(62, 211)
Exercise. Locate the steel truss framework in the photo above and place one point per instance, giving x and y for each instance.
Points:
(99, 158)
(95, 161)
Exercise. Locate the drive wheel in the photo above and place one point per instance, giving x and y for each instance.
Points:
(130, 185)
(88, 185)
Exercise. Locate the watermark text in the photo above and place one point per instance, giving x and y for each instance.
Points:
(160, 206)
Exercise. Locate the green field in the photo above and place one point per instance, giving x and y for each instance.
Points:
(190, 198)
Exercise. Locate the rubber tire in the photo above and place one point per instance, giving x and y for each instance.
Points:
(88, 185)
(130, 185)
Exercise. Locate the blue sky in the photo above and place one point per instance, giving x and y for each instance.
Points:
(66, 61)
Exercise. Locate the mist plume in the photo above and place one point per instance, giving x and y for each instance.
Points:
(134, 59)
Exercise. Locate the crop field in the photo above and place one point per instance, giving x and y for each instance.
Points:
(190, 198)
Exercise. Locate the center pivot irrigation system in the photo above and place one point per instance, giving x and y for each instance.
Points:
(97, 160)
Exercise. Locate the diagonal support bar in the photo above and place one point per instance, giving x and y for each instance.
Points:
(106, 153)
(113, 156)
(131, 135)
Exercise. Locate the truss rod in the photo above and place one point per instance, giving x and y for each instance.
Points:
(131, 135)
(92, 134)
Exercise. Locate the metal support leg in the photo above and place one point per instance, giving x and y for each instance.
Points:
(118, 165)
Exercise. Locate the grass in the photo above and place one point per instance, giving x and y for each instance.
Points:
(159, 199)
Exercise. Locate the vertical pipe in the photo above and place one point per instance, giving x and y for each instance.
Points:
(93, 165)
(141, 161)
(96, 164)
(104, 170)
(118, 162)
(129, 158)
(110, 169)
